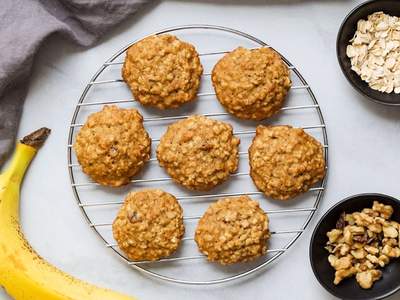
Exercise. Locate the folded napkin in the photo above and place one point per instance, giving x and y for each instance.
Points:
(25, 24)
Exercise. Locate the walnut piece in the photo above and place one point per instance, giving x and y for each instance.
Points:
(362, 242)
(367, 278)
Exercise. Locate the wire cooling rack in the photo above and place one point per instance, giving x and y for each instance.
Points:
(99, 205)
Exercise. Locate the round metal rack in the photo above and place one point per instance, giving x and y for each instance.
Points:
(99, 205)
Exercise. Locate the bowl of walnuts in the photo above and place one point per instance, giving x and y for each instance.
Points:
(355, 247)
(368, 50)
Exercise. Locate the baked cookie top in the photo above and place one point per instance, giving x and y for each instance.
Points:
(162, 71)
(149, 225)
(285, 161)
(233, 230)
(251, 84)
(112, 146)
(199, 152)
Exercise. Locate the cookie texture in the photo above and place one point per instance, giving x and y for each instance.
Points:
(112, 146)
(162, 71)
(149, 225)
(285, 161)
(233, 230)
(199, 152)
(251, 84)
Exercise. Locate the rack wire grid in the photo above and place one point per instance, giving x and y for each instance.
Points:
(99, 205)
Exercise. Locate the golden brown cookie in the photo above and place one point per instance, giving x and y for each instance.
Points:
(251, 84)
(162, 71)
(112, 146)
(233, 230)
(199, 152)
(285, 161)
(149, 225)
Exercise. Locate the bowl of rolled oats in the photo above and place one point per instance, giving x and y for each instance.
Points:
(368, 50)
(355, 247)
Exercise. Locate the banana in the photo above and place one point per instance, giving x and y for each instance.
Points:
(23, 273)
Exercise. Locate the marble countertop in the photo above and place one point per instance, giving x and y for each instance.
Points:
(364, 141)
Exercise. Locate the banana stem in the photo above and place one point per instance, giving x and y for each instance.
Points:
(37, 138)
(23, 154)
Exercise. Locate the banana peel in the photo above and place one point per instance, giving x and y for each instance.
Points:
(23, 273)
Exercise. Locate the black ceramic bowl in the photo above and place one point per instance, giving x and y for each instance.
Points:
(349, 288)
(346, 33)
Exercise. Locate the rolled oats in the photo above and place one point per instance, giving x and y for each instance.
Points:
(374, 52)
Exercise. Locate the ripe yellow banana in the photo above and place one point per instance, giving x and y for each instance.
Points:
(23, 273)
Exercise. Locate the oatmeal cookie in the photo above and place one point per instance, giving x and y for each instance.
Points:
(285, 161)
(149, 225)
(233, 230)
(112, 146)
(199, 152)
(251, 84)
(162, 71)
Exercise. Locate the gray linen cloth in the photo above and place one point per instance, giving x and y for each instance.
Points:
(24, 26)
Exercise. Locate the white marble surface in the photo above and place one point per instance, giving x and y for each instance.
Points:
(364, 141)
